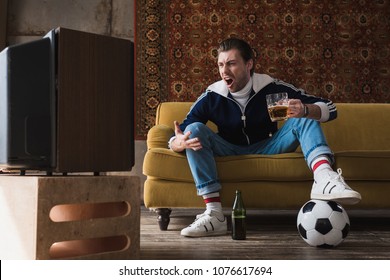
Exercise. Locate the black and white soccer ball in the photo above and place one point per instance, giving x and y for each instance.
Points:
(322, 223)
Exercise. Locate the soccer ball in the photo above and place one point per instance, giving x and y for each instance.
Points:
(323, 224)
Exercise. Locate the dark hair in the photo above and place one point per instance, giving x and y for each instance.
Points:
(243, 47)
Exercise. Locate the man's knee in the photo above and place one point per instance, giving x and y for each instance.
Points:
(197, 128)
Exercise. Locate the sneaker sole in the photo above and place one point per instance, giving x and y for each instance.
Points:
(349, 200)
(205, 234)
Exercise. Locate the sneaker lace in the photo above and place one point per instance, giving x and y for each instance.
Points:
(338, 177)
(201, 219)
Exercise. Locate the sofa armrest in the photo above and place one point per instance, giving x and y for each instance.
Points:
(158, 136)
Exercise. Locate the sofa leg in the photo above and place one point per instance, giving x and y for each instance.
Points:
(163, 217)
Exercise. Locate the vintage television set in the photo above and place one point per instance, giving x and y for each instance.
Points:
(66, 103)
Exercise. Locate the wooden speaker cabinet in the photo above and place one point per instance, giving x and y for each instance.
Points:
(95, 102)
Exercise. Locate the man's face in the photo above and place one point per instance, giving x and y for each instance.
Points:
(234, 70)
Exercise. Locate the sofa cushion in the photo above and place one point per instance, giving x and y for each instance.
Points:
(364, 165)
(165, 164)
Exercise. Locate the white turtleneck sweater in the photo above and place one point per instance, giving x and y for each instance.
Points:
(242, 96)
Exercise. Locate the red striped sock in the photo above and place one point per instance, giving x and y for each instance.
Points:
(212, 199)
(213, 203)
(319, 163)
(321, 167)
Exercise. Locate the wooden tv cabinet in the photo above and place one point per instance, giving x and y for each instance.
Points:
(94, 102)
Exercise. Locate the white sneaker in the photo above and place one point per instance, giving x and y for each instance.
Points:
(335, 188)
(205, 224)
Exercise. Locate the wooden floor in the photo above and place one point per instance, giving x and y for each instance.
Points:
(271, 235)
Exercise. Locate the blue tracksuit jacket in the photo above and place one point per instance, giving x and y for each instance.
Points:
(251, 124)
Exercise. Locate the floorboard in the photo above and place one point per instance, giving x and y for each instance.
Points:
(271, 235)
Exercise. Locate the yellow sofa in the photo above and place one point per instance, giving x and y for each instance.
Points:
(359, 137)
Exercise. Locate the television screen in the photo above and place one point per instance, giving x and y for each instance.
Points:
(26, 101)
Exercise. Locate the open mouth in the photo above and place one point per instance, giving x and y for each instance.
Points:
(228, 81)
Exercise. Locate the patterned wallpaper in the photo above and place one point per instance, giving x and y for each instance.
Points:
(338, 49)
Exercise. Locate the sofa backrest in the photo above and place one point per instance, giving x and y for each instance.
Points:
(168, 112)
(359, 126)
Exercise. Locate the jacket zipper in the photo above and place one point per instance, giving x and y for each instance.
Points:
(243, 116)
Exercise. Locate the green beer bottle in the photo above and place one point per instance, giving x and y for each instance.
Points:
(238, 218)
